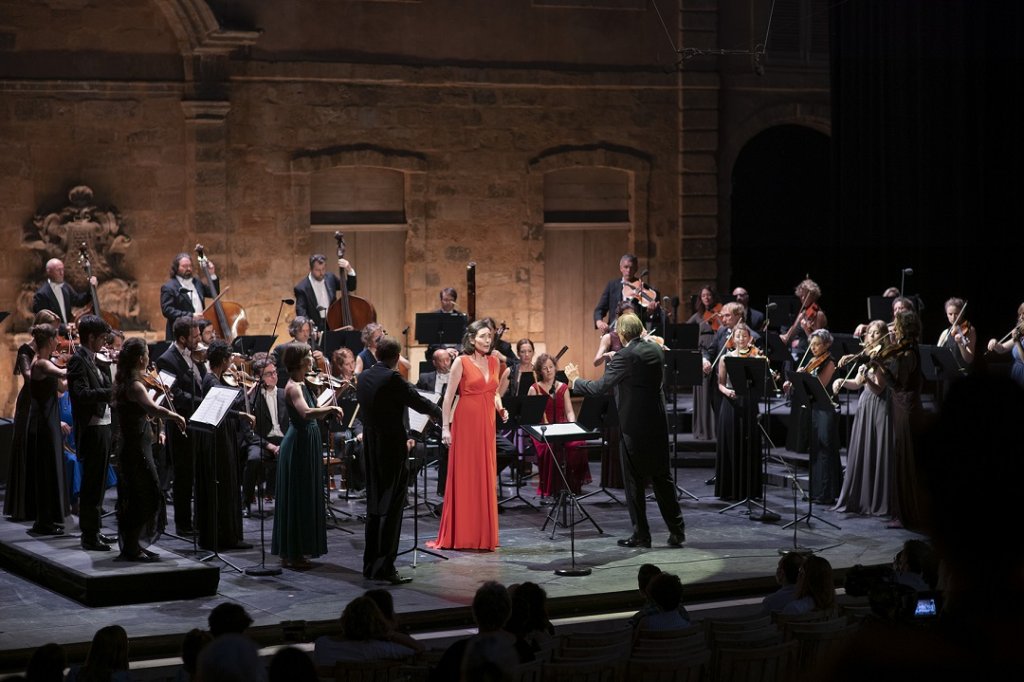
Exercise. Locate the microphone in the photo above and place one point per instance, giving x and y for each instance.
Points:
(771, 305)
(666, 301)
(405, 331)
(288, 301)
(908, 271)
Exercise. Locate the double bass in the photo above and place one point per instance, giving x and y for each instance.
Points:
(227, 317)
(94, 306)
(348, 311)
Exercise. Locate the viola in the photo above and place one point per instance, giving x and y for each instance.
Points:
(348, 311)
(94, 305)
(815, 363)
(228, 317)
(636, 291)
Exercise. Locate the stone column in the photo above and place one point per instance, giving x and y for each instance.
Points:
(206, 197)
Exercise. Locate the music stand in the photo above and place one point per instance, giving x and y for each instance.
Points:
(939, 364)
(597, 413)
(682, 336)
(880, 308)
(207, 418)
(565, 432)
(416, 549)
(349, 410)
(250, 345)
(523, 410)
(784, 312)
(347, 338)
(440, 328)
(683, 368)
(808, 392)
(157, 348)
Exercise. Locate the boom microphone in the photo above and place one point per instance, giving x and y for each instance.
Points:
(288, 301)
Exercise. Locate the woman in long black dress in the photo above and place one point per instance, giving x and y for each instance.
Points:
(19, 500)
(45, 439)
(738, 463)
(139, 497)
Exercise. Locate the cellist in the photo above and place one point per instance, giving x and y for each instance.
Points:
(315, 292)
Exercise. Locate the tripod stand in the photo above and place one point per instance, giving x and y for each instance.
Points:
(415, 549)
(567, 503)
(809, 394)
(262, 569)
(597, 414)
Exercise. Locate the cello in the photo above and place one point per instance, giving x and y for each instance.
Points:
(227, 317)
(349, 311)
(110, 318)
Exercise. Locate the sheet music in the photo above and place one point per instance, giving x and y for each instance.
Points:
(569, 429)
(214, 406)
(417, 421)
(325, 398)
(167, 378)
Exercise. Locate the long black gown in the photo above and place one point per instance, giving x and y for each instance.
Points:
(218, 493)
(139, 500)
(46, 454)
(738, 464)
(19, 499)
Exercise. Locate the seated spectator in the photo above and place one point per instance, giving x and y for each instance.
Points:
(230, 658)
(291, 665)
(364, 637)
(915, 566)
(786, 574)
(488, 658)
(815, 588)
(643, 579)
(387, 607)
(194, 642)
(107, 660)
(528, 621)
(228, 618)
(491, 609)
(666, 591)
(47, 664)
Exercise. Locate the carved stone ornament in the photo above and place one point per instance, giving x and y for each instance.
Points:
(61, 235)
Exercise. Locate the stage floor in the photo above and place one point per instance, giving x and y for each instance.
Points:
(725, 554)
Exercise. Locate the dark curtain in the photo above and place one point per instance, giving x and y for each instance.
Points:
(927, 165)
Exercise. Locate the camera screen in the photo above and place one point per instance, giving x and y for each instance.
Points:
(925, 608)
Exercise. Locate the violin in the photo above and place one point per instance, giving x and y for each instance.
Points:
(151, 380)
(348, 311)
(638, 292)
(808, 313)
(228, 318)
(713, 316)
(815, 363)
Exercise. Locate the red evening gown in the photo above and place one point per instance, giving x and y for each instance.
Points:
(469, 517)
(577, 466)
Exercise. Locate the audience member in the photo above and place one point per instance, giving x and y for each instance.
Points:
(643, 578)
(228, 618)
(815, 588)
(666, 591)
(291, 665)
(528, 620)
(386, 605)
(47, 664)
(107, 660)
(491, 610)
(192, 645)
(365, 637)
(786, 574)
(915, 566)
(230, 658)
(488, 658)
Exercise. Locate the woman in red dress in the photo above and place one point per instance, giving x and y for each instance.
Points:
(557, 411)
(469, 518)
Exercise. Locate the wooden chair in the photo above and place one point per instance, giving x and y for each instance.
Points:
(691, 668)
(362, 671)
(817, 644)
(776, 663)
(597, 639)
(661, 649)
(782, 620)
(681, 633)
(750, 638)
(586, 670)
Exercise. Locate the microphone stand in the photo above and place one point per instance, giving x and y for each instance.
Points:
(262, 569)
(569, 498)
(280, 309)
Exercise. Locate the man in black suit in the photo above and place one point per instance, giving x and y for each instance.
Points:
(184, 295)
(383, 398)
(58, 296)
(316, 291)
(635, 373)
(187, 394)
(271, 424)
(90, 391)
(754, 318)
(611, 297)
(448, 298)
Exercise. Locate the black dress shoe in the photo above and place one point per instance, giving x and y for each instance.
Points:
(634, 541)
(676, 539)
(394, 579)
(711, 481)
(107, 539)
(94, 545)
(47, 529)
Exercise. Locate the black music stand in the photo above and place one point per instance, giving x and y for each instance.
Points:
(683, 336)
(347, 338)
(597, 413)
(157, 348)
(939, 364)
(522, 411)
(808, 394)
(262, 570)
(440, 328)
(880, 308)
(348, 407)
(683, 369)
(250, 345)
(565, 433)
(416, 549)
(784, 312)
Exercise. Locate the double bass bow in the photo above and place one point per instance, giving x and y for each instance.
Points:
(348, 311)
(110, 318)
(227, 317)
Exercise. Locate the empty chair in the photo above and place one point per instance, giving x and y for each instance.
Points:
(690, 668)
(776, 663)
(716, 625)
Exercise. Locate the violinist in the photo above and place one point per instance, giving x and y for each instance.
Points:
(707, 310)
(45, 443)
(371, 336)
(738, 451)
(90, 389)
(218, 502)
(347, 432)
(810, 317)
(139, 503)
(184, 295)
(901, 373)
(270, 408)
(1013, 343)
(823, 436)
(610, 343)
(869, 455)
(300, 329)
(613, 294)
(58, 296)
(961, 337)
(315, 292)
(899, 304)
(186, 394)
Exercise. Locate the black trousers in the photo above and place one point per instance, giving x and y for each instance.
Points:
(384, 530)
(183, 461)
(94, 454)
(636, 468)
(259, 465)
